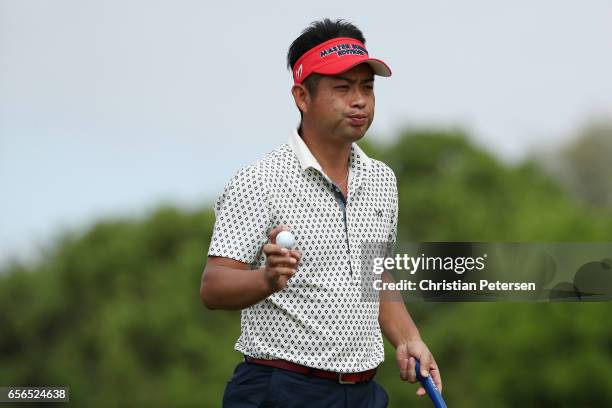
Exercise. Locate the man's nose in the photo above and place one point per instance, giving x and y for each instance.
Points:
(358, 99)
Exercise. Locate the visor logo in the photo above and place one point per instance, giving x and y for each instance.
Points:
(342, 50)
(298, 73)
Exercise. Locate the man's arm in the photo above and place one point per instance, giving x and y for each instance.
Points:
(399, 328)
(232, 285)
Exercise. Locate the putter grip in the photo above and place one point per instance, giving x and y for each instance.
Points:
(430, 387)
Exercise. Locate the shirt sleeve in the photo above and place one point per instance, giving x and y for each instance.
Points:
(241, 218)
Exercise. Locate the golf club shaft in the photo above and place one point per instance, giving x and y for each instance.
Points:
(430, 387)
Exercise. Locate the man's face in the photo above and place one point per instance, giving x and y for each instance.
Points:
(343, 105)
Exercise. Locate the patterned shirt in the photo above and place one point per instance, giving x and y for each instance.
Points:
(321, 319)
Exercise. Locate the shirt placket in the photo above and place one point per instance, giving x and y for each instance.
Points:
(345, 205)
(342, 203)
(352, 241)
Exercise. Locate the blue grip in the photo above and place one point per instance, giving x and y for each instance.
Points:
(430, 387)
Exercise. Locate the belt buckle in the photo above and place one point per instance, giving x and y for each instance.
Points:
(341, 381)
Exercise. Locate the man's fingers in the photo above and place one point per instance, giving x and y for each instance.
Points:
(282, 282)
(284, 274)
(281, 263)
(282, 271)
(276, 260)
(437, 378)
(421, 391)
(273, 249)
(403, 366)
(275, 231)
(296, 254)
(425, 361)
(410, 373)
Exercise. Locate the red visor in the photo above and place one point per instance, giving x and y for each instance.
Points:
(334, 57)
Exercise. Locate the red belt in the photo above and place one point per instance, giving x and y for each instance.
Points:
(342, 378)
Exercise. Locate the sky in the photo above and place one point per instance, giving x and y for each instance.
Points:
(111, 108)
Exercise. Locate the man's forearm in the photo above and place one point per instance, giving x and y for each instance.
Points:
(393, 317)
(231, 288)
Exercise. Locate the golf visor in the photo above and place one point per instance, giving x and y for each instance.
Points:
(334, 57)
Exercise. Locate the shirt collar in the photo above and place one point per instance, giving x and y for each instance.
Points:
(307, 160)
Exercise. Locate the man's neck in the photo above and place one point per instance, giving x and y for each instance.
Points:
(333, 157)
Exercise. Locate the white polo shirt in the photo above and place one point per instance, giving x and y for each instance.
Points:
(322, 318)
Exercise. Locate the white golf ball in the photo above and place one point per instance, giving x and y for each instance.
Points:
(285, 239)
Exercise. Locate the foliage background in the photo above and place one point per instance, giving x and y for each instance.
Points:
(114, 312)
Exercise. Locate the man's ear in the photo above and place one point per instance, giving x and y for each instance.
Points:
(301, 96)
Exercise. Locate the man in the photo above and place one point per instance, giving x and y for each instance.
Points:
(308, 334)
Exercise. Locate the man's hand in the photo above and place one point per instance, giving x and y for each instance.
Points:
(281, 263)
(406, 353)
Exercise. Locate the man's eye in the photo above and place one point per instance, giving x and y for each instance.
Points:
(342, 87)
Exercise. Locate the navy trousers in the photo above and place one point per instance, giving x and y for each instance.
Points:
(255, 385)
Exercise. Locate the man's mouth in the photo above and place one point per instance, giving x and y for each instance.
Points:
(358, 119)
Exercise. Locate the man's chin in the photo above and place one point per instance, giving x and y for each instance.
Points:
(357, 132)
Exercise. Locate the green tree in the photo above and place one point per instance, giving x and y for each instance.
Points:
(584, 166)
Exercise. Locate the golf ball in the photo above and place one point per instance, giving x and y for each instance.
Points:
(285, 239)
